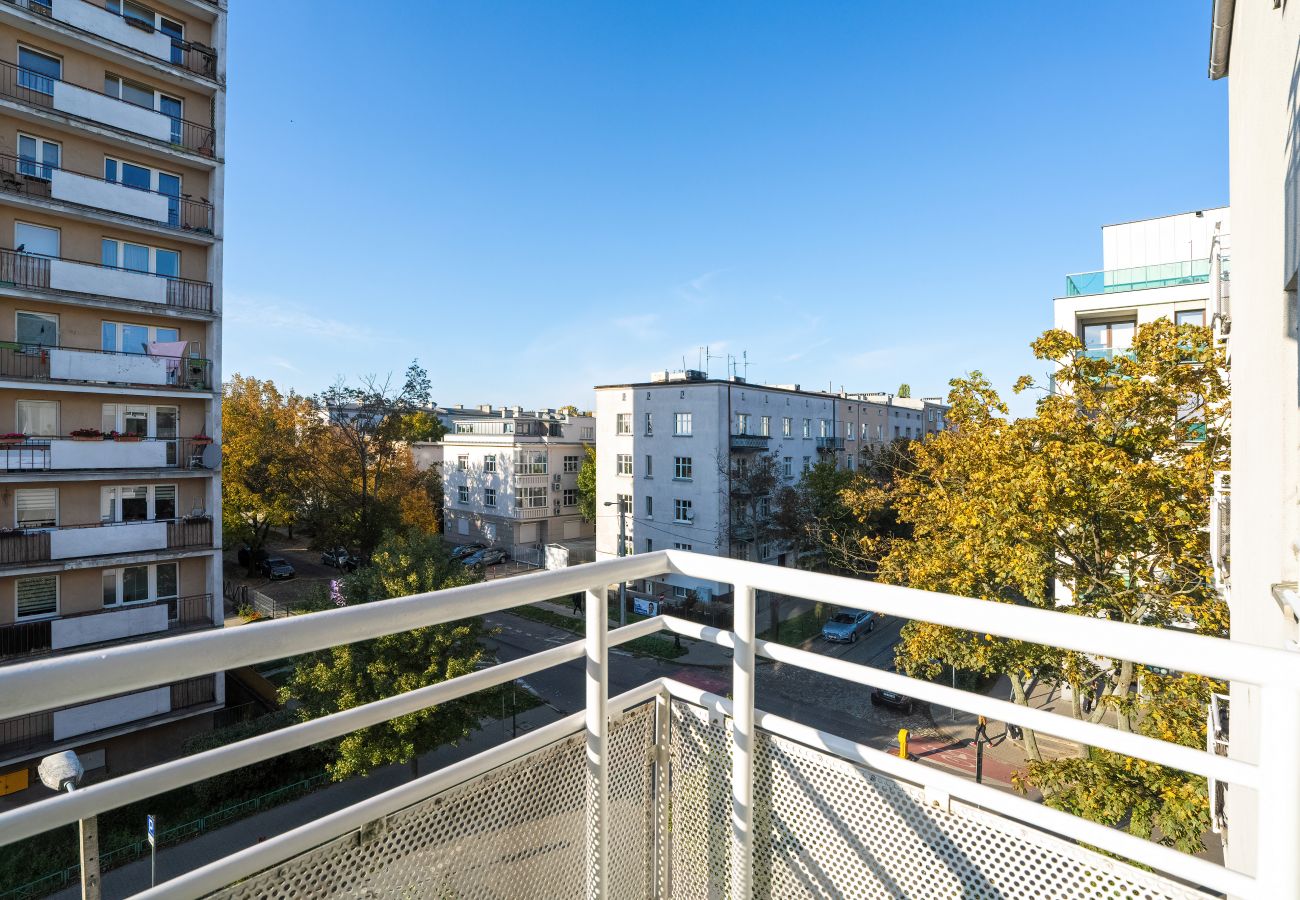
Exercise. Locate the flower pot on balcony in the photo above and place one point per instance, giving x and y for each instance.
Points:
(127, 438)
(10, 440)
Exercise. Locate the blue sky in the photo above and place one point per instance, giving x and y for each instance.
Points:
(535, 198)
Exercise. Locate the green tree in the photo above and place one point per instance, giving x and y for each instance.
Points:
(569, 410)
(1104, 491)
(587, 486)
(904, 390)
(422, 425)
(339, 678)
(262, 458)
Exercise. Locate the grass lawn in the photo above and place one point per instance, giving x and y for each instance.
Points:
(651, 645)
(797, 629)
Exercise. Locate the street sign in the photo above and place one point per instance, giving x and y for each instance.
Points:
(153, 853)
(151, 832)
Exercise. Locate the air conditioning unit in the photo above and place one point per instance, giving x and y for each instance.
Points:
(555, 482)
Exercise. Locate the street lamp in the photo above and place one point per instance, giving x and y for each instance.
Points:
(622, 549)
(63, 772)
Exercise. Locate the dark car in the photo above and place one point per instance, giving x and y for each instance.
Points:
(339, 558)
(900, 702)
(465, 550)
(276, 568)
(488, 557)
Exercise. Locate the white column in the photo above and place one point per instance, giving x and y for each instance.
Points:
(1277, 866)
(742, 744)
(597, 739)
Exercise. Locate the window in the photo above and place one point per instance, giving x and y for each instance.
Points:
(649, 545)
(823, 428)
(37, 157)
(682, 423)
(785, 426)
(131, 584)
(649, 467)
(36, 507)
(167, 585)
(764, 551)
(623, 423)
(530, 462)
(649, 424)
(850, 432)
(687, 547)
(462, 462)
(807, 464)
(490, 462)
(1108, 335)
(36, 329)
(490, 497)
(588, 432)
(570, 496)
(742, 467)
(742, 423)
(137, 503)
(850, 463)
(787, 466)
(864, 431)
(462, 493)
(683, 467)
(682, 511)
(880, 431)
(139, 258)
(896, 430)
(38, 71)
(572, 464)
(624, 504)
(145, 178)
(649, 507)
(765, 426)
(807, 428)
(36, 239)
(679, 592)
(1189, 317)
(530, 498)
(38, 418)
(624, 464)
(36, 597)
(121, 337)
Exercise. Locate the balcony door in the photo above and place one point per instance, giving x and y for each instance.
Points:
(38, 71)
(38, 418)
(137, 503)
(166, 423)
(37, 157)
(1102, 336)
(33, 329)
(36, 239)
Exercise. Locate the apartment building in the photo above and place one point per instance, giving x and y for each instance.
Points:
(672, 456)
(510, 478)
(111, 179)
(1151, 269)
(1254, 46)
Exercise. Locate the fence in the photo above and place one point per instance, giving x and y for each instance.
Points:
(241, 595)
(54, 881)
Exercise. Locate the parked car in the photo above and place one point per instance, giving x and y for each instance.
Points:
(847, 624)
(245, 555)
(276, 568)
(882, 697)
(339, 558)
(486, 557)
(465, 550)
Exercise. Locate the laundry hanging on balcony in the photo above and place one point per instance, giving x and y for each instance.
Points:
(172, 352)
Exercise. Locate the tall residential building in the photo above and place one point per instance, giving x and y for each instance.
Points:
(1151, 269)
(1255, 44)
(510, 478)
(672, 456)
(111, 145)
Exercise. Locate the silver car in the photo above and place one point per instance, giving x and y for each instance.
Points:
(847, 624)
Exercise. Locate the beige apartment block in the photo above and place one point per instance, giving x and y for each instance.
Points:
(112, 138)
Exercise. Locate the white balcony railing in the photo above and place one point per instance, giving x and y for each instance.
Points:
(668, 790)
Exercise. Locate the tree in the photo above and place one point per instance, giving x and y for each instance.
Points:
(904, 390)
(753, 480)
(1105, 492)
(569, 410)
(358, 448)
(422, 425)
(587, 486)
(339, 678)
(262, 459)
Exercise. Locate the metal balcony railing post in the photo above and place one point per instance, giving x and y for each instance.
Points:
(663, 856)
(742, 743)
(597, 647)
(1277, 865)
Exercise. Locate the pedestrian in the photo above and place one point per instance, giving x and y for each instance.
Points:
(1014, 731)
(577, 603)
(982, 730)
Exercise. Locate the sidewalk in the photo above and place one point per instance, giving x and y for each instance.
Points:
(177, 859)
(698, 653)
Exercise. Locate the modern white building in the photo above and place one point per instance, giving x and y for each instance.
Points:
(671, 454)
(510, 477)
(1151, 269)
(1255, 43)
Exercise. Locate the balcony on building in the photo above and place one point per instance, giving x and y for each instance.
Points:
(52, 274)
(41, 91)
(30, 178)
(131, 621)
(24, 547)
(75, 365)
(89, 453)
(1193, 271)
(672, 789)
(830, 444)
(750, 441)
(128, 30)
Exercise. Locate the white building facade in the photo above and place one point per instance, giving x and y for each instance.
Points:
(510, 478)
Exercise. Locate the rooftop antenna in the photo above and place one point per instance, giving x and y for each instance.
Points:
(745, 353)
(708, 365)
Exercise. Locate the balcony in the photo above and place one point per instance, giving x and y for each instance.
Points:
(50, 274)
(670, 790)
(45, 92)
(532, 512)
(830, 444)
(30, 362)
(70, 454)
(28, 178)
(19, 640)
(127, 31)
(29, 547)
(1195, 271)
(750, 441)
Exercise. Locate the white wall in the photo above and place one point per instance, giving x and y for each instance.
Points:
(107, 713)
(107, 454)
(121, 368)
(74, 188)
(133, 538)
(108, 626)
(77, 101)
(1174, 238)
(98, 20)
(83, 279)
